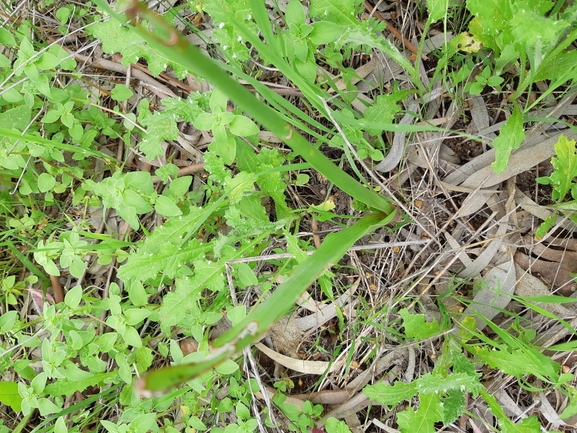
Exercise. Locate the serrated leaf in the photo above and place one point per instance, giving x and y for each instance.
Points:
(390, 395)
(117, 38)
(338, 11)
(416, 327)
(565, 165)
(435, 384)
(517, 362)
(160, 126)
(383, 109)
(423, 420)
(179, 307)
(453, 405)
(510, 138)
(166, 260)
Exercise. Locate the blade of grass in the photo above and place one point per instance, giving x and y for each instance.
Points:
(274, 307)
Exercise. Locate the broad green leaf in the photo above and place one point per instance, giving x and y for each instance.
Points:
(510, 138)
(227, 367)
(225, 148)
(60, 424)
(334, 425)
(131, 336)
(7, 321)
(9, 395)
(46, 407)
(17, 117)
(121, 93)
(6, 37)
(73, 297)
(166, 207)
(180, 186)
(135, 315)
(325, 32)
(243, 127)
(338, 11)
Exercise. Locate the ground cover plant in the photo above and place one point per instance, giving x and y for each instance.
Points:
(323, 216)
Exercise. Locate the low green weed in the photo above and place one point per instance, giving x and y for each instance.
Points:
(530, 39)
(562, 180)
(102, 340)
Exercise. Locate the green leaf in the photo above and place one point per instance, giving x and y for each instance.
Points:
(510, 138)
(17, 117)
(135, 315)
(60, 425)
(7, 321)
(243, 127)
(121, 93)
(6, 37)
(166, 207)
(131, 337)
(339, 11)
(137, 293)
(423, 420)
(528, 425)
(437, 10)
(390, 395)
(517, 362)
(565, 165)
(160, 126)
(227, 367)
(225, 148)
(117, 38)
(73, 297)
(325, 32)
(416, 327)
(437, 384)
(383, 110)
(180, 186)
(333, 425)
(9, 393)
